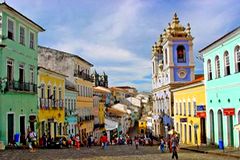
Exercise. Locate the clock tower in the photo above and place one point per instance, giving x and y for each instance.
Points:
(173, 65)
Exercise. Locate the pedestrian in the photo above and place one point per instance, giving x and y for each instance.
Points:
(174, 141)
(32, 140)
(44, 140)
(162, 145)
(89, 141)
(136, 140)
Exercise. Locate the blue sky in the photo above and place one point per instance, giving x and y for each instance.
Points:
(117, 35)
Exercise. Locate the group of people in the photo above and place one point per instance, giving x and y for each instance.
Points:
(170, 144)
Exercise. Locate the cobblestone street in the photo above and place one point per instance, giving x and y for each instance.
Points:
(123, 152)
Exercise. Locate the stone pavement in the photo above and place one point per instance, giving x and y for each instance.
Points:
(227, 152)
(122, 152)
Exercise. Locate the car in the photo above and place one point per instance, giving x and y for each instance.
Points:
(60, 141)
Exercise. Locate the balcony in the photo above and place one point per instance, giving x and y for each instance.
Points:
(47, 103)
(21, 86)
(81, 74)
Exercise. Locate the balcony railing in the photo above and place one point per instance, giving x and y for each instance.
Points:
(21, 86)
(47, 103)
(81, 74)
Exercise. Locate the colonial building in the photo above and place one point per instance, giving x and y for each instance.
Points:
(100, 95)
(172, 66)
(222, 74)
(78, 71)
(190, 112)
(18, 74)
(70, 126)
(51, 102)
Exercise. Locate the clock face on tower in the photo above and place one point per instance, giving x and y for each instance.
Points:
(182, 73)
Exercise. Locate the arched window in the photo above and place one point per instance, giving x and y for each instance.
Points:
(226, 64)
(217, 67)
(181, 54)
(237, 58)
(209, 70)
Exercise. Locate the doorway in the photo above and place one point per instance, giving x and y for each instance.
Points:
(22, 129)
(185, 133)
(212, 134)
(230, 131)
(220, 126)
(10, 128)
(203, 130)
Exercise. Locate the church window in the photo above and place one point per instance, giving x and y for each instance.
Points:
(166, 57)
(181, 54)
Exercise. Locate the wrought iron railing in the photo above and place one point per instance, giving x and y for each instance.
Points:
(81, 74)
(21, 86)
(46, 103)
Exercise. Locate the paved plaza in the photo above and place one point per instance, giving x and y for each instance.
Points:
(122, 152)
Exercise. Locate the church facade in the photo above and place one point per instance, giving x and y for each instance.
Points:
(172, 66)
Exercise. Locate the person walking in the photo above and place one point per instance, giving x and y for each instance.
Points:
(174, 141)
(89, 141)
(136, 140)
(162, 145)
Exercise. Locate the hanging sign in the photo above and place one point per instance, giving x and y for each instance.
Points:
(201, 114)
(229, 111)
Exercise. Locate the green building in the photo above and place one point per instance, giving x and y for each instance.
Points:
(18, 74)
(222, 75)
(71, 125)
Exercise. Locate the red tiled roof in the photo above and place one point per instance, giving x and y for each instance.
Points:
(199, 79)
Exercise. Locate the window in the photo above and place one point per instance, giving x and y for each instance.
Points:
(184, 106)
(237, 58)
(66, 106)
(60, 93)
(166, 57)
(189, 108)
(49, 95)
(180, 108)
(21, 73)
(195, 109)
(31, 75)
(74, 101)
(10, 70)
(22, 35)
(227, 64)
(217, 67)
(69, 107)
(176, 105)
(209, 70)
(54, 96)
(181, 54)
(31, 42)
(10, 32)
(42, 91)
(190, 133)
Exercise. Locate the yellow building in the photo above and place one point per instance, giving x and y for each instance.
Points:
(51, 99)
(189, 109)
(99, 101)
(84, 105)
